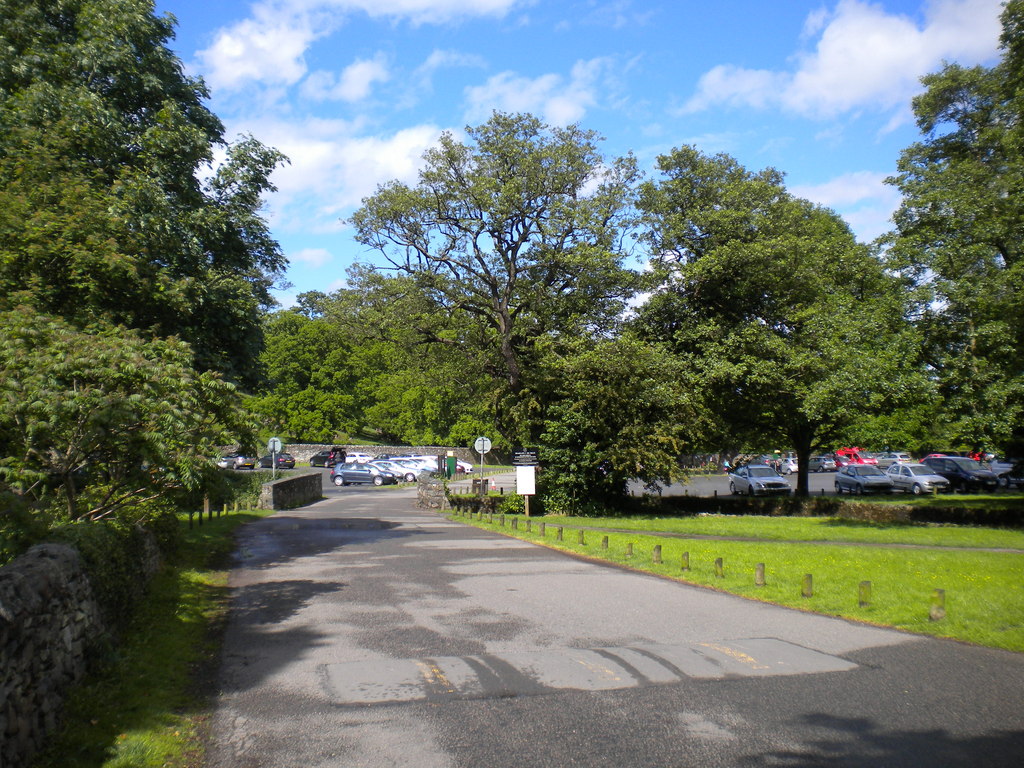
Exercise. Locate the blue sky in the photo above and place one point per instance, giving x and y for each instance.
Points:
(354, 91)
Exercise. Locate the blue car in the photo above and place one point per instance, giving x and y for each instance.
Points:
(353, 473)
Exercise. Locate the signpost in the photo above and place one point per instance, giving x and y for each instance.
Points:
(482, 446)
(274, 446)
(526, 461)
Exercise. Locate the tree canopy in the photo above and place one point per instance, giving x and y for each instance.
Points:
(957, 240)
(103, 214)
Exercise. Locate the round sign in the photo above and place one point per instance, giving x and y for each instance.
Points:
(274, 445)
(482, 445)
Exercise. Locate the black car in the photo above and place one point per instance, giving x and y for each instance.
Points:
(328, 458)
(353, 472)
(962, 473)
(284, 461)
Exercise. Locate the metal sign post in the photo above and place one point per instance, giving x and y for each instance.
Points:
(274, 446)
(482, 446)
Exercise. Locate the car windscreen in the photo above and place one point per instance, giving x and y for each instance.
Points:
(968, 464)
(867, 469)
(921, 470)
(762, 472)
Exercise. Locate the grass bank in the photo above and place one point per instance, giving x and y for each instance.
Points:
(144, 705)
(983, 599)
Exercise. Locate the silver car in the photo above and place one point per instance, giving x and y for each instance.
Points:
(862, 478)
(757, 480)
(916, 479)
(886, 460)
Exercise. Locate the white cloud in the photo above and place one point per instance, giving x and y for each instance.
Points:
(862, 198)
(269, 47)
(354, 83)
(558, 100)
(333, 166)
(314, 257)
(863, 57)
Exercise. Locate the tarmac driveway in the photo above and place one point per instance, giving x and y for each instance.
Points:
(365, 632)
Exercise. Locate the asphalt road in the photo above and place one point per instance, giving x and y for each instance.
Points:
(365, 632)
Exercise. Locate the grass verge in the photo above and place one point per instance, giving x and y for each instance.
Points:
(982, 590)
(143, 707)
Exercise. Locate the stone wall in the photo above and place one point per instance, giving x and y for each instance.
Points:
(291, 492)
(430, 493)
(49, 622)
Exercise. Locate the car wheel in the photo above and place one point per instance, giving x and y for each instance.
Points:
(750, 491)
(339, 480)
(859, 490)
(410, 477)
(917, 489)
(378, 480)
(732, 488)
(839, 490)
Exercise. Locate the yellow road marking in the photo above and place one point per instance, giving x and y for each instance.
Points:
(738, 655)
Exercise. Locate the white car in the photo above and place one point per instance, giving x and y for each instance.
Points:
(788, 465)
(916, 479)
(358, 458)
(889, 458)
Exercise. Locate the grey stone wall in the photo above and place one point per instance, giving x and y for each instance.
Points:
(430, 493)
(291, 492)
(49, 622)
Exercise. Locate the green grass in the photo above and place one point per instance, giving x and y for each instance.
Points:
(811, 529)
(983, 594)
(143, 707)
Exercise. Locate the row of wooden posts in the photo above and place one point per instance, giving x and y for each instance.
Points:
(936, 612)
(208, 510)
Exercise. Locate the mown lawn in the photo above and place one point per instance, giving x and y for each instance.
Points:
(984, 591)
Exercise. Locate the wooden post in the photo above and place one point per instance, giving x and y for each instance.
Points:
(501, 520)
(559, 534)
(864, 594)
(526, 500)
(529, 526)
(938, 609)
(656, 554)
(759, 575)
(686, 561)
(808, 586)
(629, 549)
(604, 542)
(582, 540)
(543, 525)
(515, 523)
(719, 568)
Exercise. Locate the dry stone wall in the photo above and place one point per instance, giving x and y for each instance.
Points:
(49, 621)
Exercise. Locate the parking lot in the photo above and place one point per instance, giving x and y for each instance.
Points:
(710, 485)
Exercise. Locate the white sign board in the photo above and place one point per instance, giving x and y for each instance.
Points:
(526, 481)
(482, 445)
(274, 445)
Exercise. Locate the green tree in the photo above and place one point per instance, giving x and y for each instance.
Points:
(510, 239)
(957, 240)
(793, 328)
(95, 423)
(622, 410)
(310, 392)
(103, 217)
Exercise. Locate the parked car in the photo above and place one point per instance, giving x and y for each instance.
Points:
(757, 480)
(284, 461)
(1009, 471)
(352, 472)
(962, 473)
(787, 465)
(236, 461)
(328, 458)
(360, 458)
(406, 473)
(855, 456)
(916, 479)
(887, 459)
(821, 464)
(862, 478)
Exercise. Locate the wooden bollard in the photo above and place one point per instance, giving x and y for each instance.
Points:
(656, 554)
(529, 525)
(938, 609)
(759, 575)
(604, 542)
(501, 520)
(808, 586)
(582, 539)
(515, 523)
(558, 535)
(719, 568)
(629, 549)
(686, 561)
(864, 594)
(542, 527)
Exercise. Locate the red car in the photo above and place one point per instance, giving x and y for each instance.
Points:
(854, 456)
